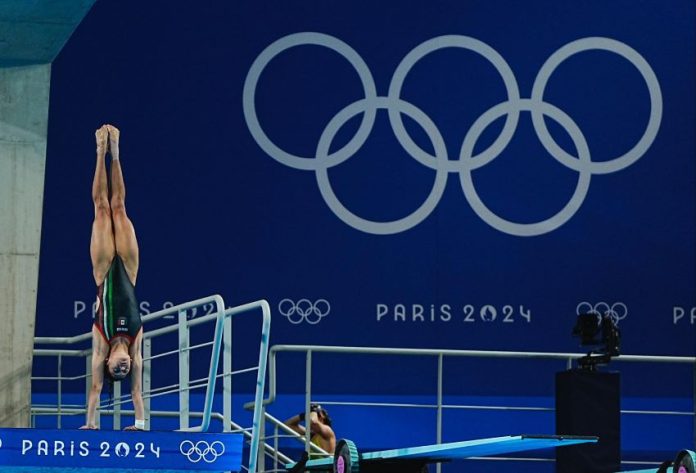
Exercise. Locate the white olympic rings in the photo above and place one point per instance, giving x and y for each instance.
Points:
(440, 162)
(304, 310)
(617, 311)
(202, 450)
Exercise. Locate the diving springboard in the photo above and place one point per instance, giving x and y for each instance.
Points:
(347, 457)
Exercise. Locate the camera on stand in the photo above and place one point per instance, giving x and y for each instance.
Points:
(597, 330)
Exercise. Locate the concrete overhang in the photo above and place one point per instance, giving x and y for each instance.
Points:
(34, 31)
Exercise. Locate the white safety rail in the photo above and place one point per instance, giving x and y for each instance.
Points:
(567, 360)
(220, 343)
(272, 450)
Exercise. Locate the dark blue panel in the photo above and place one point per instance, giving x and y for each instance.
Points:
(217, 210)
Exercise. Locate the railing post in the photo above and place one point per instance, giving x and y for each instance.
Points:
(308, 399)
(227, 378)
(261, 454)
(275, 447)
(439, 404)
(60, 389)
(184, 358)
(259, 408)
(117, 406)
(147, 379)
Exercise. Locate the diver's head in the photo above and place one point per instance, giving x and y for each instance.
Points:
(118, 364)
(322, 414)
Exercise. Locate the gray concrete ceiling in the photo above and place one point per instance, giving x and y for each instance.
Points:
(34, 31)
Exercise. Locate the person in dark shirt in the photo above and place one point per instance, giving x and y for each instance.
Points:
(117, 330)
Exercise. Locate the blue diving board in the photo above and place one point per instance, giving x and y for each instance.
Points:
(79, 450)
(458, 450)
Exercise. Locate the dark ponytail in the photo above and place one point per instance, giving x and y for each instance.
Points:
(109, 380)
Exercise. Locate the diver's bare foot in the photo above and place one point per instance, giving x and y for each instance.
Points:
(102, 137)
(89, 427)
(114, 136)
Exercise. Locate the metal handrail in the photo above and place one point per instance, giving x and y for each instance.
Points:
(222, 336)
(260, 378)
(218, 315)
(440, 354)
(568, 357)
(147, 318)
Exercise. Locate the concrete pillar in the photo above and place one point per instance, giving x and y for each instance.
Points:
(24, 95)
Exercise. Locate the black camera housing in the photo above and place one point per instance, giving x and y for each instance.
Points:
(597, 330)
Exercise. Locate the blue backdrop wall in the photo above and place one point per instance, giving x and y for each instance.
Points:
(416, 174)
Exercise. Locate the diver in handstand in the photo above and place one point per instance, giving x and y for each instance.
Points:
(117, 331)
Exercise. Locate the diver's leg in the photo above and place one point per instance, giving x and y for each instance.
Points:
(101, 246)
(126, 241)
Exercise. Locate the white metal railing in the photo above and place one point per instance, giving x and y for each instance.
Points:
(257, 434)
(221, 342)
(440, 406)
(273, 452)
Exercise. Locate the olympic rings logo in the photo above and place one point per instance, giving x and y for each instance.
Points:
(395, 106)
(202, 450)
(617, 311)
(304, 310)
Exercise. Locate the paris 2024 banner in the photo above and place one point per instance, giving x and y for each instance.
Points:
(449, 174)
